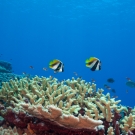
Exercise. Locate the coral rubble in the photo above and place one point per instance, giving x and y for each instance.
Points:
(45, 106)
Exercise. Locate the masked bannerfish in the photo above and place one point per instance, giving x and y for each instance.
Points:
(56, 65)
(93, 63)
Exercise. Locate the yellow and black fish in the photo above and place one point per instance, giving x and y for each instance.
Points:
(56, 65)
(93, 63)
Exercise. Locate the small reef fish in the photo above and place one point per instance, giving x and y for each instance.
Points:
(130, 84)
(107, 87)
(110, 80)
(31, 67)
(114, 96)
(56, 65)
(75, 74)
(128, 78)
(93, 63)
(113, 90)
(24, 73)
(92, 80)
(45, 69)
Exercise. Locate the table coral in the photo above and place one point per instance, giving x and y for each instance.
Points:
(46, 106)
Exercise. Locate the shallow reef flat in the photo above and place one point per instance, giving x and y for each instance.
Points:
(47, 106)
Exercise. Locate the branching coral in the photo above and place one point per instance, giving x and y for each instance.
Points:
(70, 104)
(9, 131)
(128, 123)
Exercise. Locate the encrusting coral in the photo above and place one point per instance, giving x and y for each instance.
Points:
(46, 106)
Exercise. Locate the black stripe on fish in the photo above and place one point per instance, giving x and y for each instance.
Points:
(62, 67)
(59, 67)
(99, 65)
(96, 66)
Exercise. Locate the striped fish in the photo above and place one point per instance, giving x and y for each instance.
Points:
(56, 65)
(93, 63)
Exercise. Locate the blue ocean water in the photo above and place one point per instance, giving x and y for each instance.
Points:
(36, 31)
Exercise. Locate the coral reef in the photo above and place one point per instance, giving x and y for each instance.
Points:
(5, 77)
(10, 131)
(5, 67)
(6, 72)
(45, 106)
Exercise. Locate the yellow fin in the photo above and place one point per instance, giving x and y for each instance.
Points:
(53, 62)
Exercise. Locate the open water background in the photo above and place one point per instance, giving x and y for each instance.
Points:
(33, 32)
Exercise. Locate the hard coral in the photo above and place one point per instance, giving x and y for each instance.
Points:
(72, 107)
(41, 127)
(9, 131)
